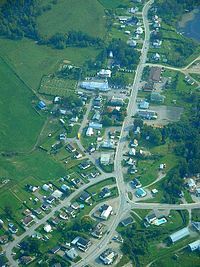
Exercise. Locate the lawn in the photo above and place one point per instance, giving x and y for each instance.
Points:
(20, 123)
(87, 16)
(32, 61)
(112, 4)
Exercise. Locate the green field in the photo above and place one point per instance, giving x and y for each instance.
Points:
(112, 4)
(87, 16)
(20, 123)
(57, 86)
(31, 61)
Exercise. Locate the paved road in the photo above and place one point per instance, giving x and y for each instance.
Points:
(123, 206)
(8, 248)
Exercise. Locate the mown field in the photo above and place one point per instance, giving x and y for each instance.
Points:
(87, 16)
(31, 61)
(20, 123)
(111, 4)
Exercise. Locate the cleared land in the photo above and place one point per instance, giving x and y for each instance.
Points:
(31, 61)
(87, 16)
(20, 123)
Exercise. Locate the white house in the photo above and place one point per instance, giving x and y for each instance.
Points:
(139, 30)
(106, 212)
(89, 131)
(104, 73)
(47, 228)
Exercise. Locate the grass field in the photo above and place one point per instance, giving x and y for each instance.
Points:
(112, 4)
(20, 123)
(57, 86)
(87, 16)
(31, 61)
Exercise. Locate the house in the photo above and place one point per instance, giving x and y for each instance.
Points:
(41, 105)
(74, 119)
(191, 184)
(151, 218)
(196, 226)
(96, 116)
(63, 216)
(47, 228)
(65, 188)
(101, 85)
(127, 221)
(131, 43)
(109, 144)
(105, 192)
(72, 254)
(85, 196)
(70, 148)
(3, 239)
(147, 114)
(140, 192)
(179, 234)
(117, 101)
(84, 165)
(148, 87)
(50, 199)
(55, 249)
(104, 73)
(157, 97)
(108, 256)
(55, 221)
(106, 211)
(46, 187)
(194, 245)
(70, 211)
(105, 158)
(144, 105)
(156, 57)
(132, 152)
(25, 260)
(82, 243)
(57, 100)
(75, 206)
(57, 194)
(139, 30)
(27, 220)
(135, 183)
(155, 74)
(12, 228)
(95, 125)
(77, 155)
(89, 131)
(62, 137)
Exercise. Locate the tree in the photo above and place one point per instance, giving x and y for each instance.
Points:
(87, 223)
(8, 211)
(106, 121)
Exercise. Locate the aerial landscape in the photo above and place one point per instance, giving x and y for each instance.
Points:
(100, 133)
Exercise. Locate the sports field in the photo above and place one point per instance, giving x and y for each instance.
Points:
(78, 15)
(20, 123)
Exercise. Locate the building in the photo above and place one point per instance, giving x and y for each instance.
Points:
(95, 125)
(140, 192)
(196, 226)
(85, 196)
(131, 43)
(127, 221)
(144, 105)
(106, 211)
(148, 87)
(147, 114)
(194, 245)
(47, 228)
(105, 192)
(151, 218)
(89, 131)
(179, 234)
(105, 159)
(83, 244)
(155, 74)
(157, 97)
(139, 30)
(41, 105)
(101, 85)
(117, 101)
(108, 256)
(104, 73)
(57, 194)
(27, 220)
(109, 144)
(96, 116)
(72, 254)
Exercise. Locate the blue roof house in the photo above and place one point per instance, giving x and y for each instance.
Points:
(41, 105)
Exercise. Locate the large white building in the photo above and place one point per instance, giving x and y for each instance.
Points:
(194, 245)
(179, 234)
(101, 85)
(106, 213)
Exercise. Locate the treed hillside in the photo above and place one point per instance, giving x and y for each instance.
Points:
(171, 10)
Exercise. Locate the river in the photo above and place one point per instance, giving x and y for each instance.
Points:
(189, 25)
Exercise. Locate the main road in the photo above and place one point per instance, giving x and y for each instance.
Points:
(123, 203)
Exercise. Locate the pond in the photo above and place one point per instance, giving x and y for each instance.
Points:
(189, 25)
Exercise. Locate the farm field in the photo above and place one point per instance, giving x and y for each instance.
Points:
(20, 123)
(77, 15)
(31, 61)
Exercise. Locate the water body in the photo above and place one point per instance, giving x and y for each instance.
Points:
(189, 25)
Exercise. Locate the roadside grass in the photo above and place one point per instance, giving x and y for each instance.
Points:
(196, 215)
(195, 76)
(20, 123)
(73, 15)
(188, 197)
(31, 61)
(98, 186)
(123, 261)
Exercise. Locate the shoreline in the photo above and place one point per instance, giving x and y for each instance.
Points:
(187, 17)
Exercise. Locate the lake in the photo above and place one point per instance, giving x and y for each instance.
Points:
(189, 25)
